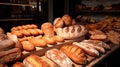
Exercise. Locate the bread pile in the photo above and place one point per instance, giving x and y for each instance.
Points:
(107, 29)
(68, 55)
(48, 33)
(10, 48)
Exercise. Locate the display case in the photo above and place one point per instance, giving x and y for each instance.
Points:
(18, 12)
(95, 8)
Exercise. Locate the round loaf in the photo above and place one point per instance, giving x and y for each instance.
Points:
(67, 19)
(58, 23)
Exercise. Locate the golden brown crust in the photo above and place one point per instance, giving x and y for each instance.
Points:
(75, 53)
(18, 64)
(38, 42)
(67, 19)
(27, 46)
(49, 40)
(58, 23)
(35, 61)
(47, 28)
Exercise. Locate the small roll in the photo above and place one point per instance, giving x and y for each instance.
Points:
(58, 38)
(17, 33)
(27, 46)
(67, 19)
(47, 28)
(25, 32)
(49, 40)
(58, 23)
(33, 32)
(34, 61)
(38, 42)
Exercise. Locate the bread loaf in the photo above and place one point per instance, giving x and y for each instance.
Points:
(71, 32)
(76, 54)
(58, 57)
(34, 61)
(87, 49)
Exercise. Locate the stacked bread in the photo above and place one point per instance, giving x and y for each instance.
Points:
(10, 48)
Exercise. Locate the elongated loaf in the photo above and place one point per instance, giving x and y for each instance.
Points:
(75, 53)
(71, 32)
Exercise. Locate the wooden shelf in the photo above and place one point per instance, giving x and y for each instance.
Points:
(16, 19)
(17, 4)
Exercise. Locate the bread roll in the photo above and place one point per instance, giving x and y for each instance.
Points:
(17, 33)
(33, 32)
(18, 64)
(34, 61)
(67, 19)
(28, 46)
(47, 28)
(49, 40)
(75, 53)
(58, 57)
(25, 32)
(87, 49)
(38, 42)
(58, 38)
(58, 23)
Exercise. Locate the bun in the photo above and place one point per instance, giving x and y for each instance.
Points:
(33, 32)
(38, 42)
(58, 23)
(58, 57)
(27, 46)
(47, 28)
(74, 53)
(17, 33)
(49, 40)
(67, 19)
(34, 61)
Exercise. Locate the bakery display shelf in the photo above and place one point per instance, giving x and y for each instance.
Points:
(13, 4)
(91, 61)
(16, 19)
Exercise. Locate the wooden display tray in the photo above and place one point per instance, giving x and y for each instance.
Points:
(91, 60)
